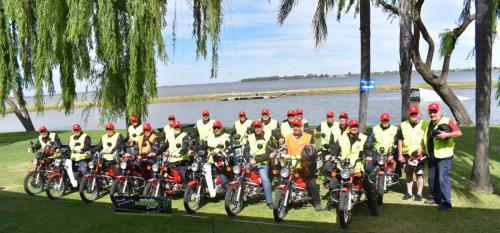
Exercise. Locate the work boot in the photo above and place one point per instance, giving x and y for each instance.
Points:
(418, 198)
(407, 196)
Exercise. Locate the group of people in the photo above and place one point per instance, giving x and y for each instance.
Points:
(414, 138)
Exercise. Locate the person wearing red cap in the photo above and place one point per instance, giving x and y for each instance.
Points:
(409, 137)
(295, 144)
(217, 143)
(134, 130)
(258, 151)
(438, 143)
(286, 125)
(241, 126)
(268, 123)
(111, 143)
(342, 126)
(147, 148)
(353, 145)
(300, 115)
(325, 130)
(46, 138)
(167, 129)
(177, 146)
(204, 126)
(382, 141)
(80, 146)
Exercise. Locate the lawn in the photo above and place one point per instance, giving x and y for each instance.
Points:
(472, 211)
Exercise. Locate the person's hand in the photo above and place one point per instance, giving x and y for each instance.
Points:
(390, 157)
(327, 157)
(30, 150)
(281, 141)
(369, 158)
(271, 155)
(139, 157)
(443, 135)
(401, 159)
(253, 162)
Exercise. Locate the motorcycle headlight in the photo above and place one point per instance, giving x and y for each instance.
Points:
(123, 165)
(285, 172)
(34, 161)
(194, 167)
(236, 170)
(57, 162)
(155, 167)
(381, 162)
(345, 173)
(91, 165)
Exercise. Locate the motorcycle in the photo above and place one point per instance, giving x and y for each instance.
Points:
(35, 181)
(383, 176)
(66, 176)
(166, 180)
(351, 190)
(129, 182)
(202, 182)
(96, 180)
(292, 192)
(331, 181)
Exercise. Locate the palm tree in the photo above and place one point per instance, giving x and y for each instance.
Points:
(321, 32)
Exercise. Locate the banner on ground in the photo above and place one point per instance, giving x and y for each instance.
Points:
(143, 204)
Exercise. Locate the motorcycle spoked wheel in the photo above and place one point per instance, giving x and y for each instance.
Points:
(279, 208)
(34, 183)
(343, 212)
(150, 190)
(119, 188)
(90, 189)
(56, 187)
(191, 201)
(380, 189)
(232, 206)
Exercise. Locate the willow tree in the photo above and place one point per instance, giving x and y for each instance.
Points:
(110, 44)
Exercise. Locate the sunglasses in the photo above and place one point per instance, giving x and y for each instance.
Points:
(413, 114)
(217, 127)
(296, 126)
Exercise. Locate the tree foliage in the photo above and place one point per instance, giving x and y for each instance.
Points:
(111, 44)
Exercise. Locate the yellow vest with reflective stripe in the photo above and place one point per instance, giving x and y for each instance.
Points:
(269, 127)
(442, 148)
(107, 150)
(384, 138)
(412, 136)
(76, 155)
(134, 133)
(167, 130)
(286, 129)
(52, 139)
(254, 143)
(337, 132)
(352, 152)
(204, 130)
(174, 151)
(328, 132)
(148, 147)
(241, 129)
(213, 142)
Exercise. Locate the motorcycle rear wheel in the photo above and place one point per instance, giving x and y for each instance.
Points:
(380, 189)
(343, 212)
(190, 197)
(88, 193)
(55, 188)
(33, 187)
(279, 208)
(233, 207)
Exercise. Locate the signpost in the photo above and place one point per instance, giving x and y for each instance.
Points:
(366, 84)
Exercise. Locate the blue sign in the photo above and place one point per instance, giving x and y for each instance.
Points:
(366, 84)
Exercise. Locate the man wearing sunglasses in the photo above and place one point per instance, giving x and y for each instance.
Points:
(167, 129)
(325, 130)
(438, 143)
(47, 139)
(300, 115)
(204, 126)
(286, 125)
(134, 130)
(111, 143)
(241, 127)
(217, 143)
(148, 146)
(268, 123)
(80, 146)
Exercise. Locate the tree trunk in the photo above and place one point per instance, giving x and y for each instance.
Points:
(21, 113)
(364, 23)
(456, 106)
(480, 177)
(405, 65)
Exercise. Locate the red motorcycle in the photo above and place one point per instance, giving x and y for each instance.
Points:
(96, 180)
(65, 176)
(384, 177)
(166, 181)
(35, 181)
(129, 182)
(351, 191)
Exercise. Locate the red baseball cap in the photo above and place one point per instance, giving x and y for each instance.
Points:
(146, 126)
(109, 126)
(171, 117)
(42, 129)
(385, 117)
(434, 106)
(265, 111)
(412, 110)
(297, 122)
(330, 114)
(76, 127)
(353, 122)
(299, 111)
(205, 113)
(291, 113)
(242, 113)
(217, 124)
(343, 115)
(176, 124)
(257, 123)
(134, 119)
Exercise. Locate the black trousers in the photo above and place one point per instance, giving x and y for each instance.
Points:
(367, 186)
(314, 190)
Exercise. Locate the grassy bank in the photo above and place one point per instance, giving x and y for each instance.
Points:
(21, 213)
(292, 92)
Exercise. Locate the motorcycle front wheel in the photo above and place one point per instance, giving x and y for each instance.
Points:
(192, 202)
(90, 189)
(343, 212)
(279, 208)
(151, 190)
(34, 183)
(380, 189)
(55, 187)
(232, 206)
(120, 187)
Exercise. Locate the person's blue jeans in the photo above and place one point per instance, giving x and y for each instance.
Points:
(264, 178)
(439, 180)
(83, 165)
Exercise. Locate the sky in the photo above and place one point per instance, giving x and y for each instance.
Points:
(253, 44)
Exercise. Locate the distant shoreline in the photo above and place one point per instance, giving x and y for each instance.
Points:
(277, 93)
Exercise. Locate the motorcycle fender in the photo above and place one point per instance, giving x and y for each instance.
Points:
(234, 183)
(381, 173)
(192, 183)
(54, 175)
(282, 187)
(152, 180)
(120, 177)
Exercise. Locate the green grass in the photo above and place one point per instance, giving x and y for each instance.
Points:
(472, 211)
